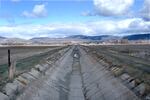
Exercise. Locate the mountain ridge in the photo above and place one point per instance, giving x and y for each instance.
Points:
(138, 37)
(74, 38)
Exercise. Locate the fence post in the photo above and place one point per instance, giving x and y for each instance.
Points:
(9, 62)
(11, 67)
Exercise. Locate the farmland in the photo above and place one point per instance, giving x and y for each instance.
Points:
(19, 52)
(25, 57)
(132, 59)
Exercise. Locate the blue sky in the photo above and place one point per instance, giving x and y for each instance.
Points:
(58, 11)
(57, 18)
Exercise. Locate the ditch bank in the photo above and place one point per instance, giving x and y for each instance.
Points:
(15, 88)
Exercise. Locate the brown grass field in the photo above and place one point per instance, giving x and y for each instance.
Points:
(135, 59)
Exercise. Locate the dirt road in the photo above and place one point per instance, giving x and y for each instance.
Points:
(77, 76)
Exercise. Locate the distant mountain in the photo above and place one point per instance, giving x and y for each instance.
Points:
(110, 37)
(73, 38)
(47, 40)
(13, 41)
(2, 37)
(77, 37)
(101, 37)
(39, 38)
(42, 40)
(138, 37)
(87, 37)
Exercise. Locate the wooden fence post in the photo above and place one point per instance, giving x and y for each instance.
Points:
(11, 66)
(9, 62)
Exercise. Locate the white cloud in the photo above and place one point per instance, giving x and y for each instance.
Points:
(38, 11)
(139, 26)
(145, 12)
(112, 7)
(105, 27)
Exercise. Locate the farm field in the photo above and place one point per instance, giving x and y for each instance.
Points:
(19, 52)
(25, 57)
(134, 59)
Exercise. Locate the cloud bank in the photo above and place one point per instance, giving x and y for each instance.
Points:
(106, 27)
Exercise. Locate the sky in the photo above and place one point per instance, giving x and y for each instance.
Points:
(60, 18)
